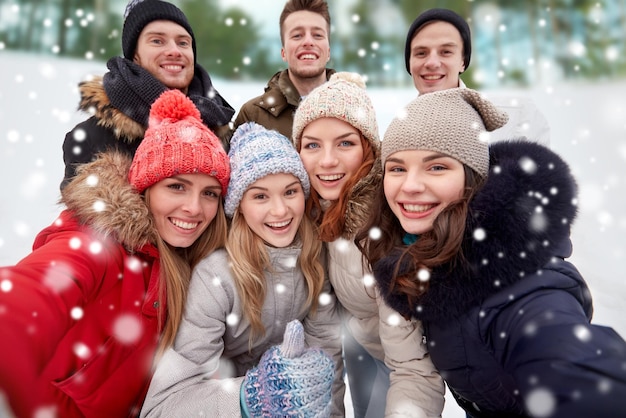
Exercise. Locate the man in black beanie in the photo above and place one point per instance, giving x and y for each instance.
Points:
(159, 50)
(437, 51)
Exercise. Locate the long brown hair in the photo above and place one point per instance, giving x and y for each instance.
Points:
(331, 222)
(250, 259)
(176, 266)
(442, 245)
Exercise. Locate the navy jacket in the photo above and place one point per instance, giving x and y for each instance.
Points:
(511, 334)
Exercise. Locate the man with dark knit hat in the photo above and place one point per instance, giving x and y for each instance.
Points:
(437, 51)
(159, 53)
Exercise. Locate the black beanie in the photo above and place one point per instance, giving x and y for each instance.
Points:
(140, 13)
(444, 15)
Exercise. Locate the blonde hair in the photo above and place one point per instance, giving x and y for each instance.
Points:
(249, 260)
(175, 275)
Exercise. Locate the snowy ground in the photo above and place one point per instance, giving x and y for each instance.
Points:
(38, 98)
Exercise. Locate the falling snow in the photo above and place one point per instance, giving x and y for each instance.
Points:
(588, 128)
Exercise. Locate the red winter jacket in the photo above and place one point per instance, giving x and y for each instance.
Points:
(78, 316)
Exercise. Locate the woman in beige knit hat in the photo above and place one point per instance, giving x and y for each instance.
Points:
(471, 240)
(336, 133)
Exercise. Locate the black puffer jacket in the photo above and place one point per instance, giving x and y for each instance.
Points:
(120, 104)
(512, 335)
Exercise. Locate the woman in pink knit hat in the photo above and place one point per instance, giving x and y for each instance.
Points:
(102, 292)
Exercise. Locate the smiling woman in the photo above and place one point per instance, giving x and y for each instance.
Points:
(108, 279)
(241, 299)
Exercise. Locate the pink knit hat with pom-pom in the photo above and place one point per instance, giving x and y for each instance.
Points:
(176, 142)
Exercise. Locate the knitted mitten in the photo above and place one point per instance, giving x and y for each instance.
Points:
(290, 380)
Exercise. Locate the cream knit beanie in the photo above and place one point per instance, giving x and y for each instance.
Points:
(342, 97)
(453, 122)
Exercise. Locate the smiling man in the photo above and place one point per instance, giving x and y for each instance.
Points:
(437, 51)
(159, 50)
(305, 36)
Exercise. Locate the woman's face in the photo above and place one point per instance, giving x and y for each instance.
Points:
(183, 206)
(273, 207)
(419, 184)
(332, 152)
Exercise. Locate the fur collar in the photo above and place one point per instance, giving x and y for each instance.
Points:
(361, 200)
(94, 100)
(518, 223)
(101, 197)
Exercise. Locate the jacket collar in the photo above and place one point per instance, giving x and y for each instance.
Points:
(101, 197)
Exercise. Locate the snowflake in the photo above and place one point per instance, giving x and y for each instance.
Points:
(324, 299)
(342, 245)
(479, 234)
(394, 320)
(232, 319)
(76, 313)
(528, 165)
(375, 233)
(541, 402)
(582, 333)
(127, 329)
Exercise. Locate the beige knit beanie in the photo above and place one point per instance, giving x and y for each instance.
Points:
(454, 122)
(343, 97)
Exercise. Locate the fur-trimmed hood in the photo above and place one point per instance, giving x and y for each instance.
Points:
(94, 100)
(101, 197)
(518, 223)
(360, 202)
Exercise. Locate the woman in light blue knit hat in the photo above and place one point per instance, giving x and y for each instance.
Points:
(227, 359)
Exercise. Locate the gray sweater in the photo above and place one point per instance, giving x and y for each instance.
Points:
(202, 373)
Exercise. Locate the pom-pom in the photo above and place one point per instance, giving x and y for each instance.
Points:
(174, 106)
(349, 77)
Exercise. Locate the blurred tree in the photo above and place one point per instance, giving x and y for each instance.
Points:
(227, 41)
(515, 44)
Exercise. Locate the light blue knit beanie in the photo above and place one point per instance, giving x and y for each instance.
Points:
(256, 152)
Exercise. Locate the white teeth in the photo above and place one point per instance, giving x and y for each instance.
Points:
(417, 208)
(331, 177)
(279, 224)
(308, 57)
(172, 67)
(184, 225)
(432, 77)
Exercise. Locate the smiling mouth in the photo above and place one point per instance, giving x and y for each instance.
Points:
(172, 67)
(279, 225)
(417, 208)
(432, 77)
(330, 177)
(308, 57)
(184, 225)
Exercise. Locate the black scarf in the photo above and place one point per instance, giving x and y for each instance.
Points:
(132, 90)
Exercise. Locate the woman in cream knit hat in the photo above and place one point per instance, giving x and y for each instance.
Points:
(470, 239)
(336, 133)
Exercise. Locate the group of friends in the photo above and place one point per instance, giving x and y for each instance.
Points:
(209, 263)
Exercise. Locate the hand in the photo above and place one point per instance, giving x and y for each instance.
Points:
(290, 380)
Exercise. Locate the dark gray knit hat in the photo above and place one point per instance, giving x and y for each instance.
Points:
(139, 13)
(452, 122)
(444, 15)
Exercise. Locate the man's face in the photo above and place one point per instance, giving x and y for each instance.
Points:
(306, 47)
(436, 58)
(164, 48)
